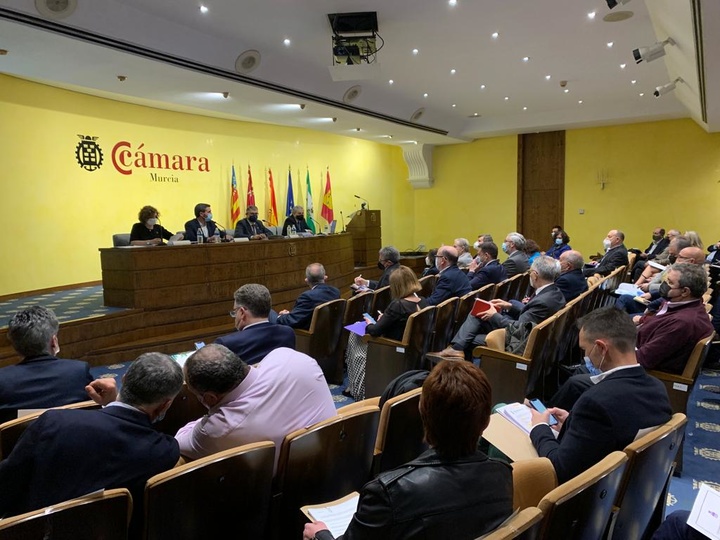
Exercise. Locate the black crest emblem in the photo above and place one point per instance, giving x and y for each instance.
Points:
(88, 154)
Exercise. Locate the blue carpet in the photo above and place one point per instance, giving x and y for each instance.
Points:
(68, 305)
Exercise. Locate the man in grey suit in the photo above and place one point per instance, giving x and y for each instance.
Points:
(616, 255)
(517, 261)
(545, 301)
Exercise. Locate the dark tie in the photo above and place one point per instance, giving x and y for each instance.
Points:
(254, 230)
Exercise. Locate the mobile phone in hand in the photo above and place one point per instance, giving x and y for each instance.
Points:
(369, 317)
(539, 407)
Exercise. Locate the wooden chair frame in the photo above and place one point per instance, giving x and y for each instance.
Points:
(322, 341)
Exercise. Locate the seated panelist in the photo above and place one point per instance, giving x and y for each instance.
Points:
(297, 220)
(251, 226)
(203, 221)
(148, 232)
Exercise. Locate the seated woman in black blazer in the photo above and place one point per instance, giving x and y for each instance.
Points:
(452, 490)
(148, 232)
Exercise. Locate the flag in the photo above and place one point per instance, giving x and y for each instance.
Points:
(250, 192)
(309, 210)
(327, 205)
(234, 199)
(272, 205)
(290, 198)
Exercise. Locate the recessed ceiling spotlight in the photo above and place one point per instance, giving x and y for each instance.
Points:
(203, 9)
(633, 81)
(526, 58)
(391, 81)
(495, 35)
(610, 44)
(579, 101)
(548, 77)
(452, 3)
(287, 42)
(226, 95)
(425, 94)
(507, 98)
(120, 78)
(415, 51)
(591, 15)
(476, 114)
(482, 87)
(622, 66)
(452, 72)
(524, 108)
(454, 105)
(302, 106)
(641, 94)
(358, 129)
(566, 90)
(334, 119)
(3, 52)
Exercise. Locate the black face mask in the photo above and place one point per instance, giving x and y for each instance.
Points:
(252, 219)
(664, 290)
(381, 266)
(672, 258)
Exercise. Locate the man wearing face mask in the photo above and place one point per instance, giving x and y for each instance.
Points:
(148, 231)
(251, 226)
(517, 261)
(571, 282)
(203, 222)
(482, 238)
(657, 246)
(388, 262)
(40, 380)
(597, 423)
(67, 453)
(246, 404)
(489, 271)
(616, 255)
(297, 220)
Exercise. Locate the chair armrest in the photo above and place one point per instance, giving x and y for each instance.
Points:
(383, 341)
(670, 377)
(487, 352)
(300, 332)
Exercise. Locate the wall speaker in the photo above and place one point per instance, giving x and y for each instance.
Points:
(352, 93)
(417, 115)
(55, 9)
(247, 61)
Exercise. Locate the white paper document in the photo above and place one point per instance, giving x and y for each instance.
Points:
(705, 513)
(336, 514)
(519, 414)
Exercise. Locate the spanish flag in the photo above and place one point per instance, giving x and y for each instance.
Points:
(327, 205)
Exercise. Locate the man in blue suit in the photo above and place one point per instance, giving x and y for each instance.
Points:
(204, 222)
(571, 281)
(451, 281)
(67, 453)
(623, 402)
(319, 293)
(488, 269)
(256, 335)
(41, 380)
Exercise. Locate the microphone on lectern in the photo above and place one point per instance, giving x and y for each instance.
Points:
(366, 202)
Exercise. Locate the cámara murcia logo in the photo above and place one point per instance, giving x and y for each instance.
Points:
(88, 154)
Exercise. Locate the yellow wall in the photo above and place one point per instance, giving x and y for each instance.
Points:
(58, 214)
(658, 174)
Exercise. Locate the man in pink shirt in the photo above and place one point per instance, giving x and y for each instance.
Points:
(246, 404)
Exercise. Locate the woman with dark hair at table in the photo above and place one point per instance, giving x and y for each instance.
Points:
(452, 490)
(148, 232)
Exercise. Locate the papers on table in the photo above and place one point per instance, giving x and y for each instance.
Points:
(705, 513)
(628, 288)
(506, 437)
(519, 414)
(335, 514)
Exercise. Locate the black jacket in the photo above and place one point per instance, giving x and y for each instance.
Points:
(431, 498)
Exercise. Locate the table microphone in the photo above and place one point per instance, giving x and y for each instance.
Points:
(342, 221)
(366, 201)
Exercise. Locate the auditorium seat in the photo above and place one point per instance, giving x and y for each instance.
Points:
(322, 340)
(381, 300)
(103, 516)
(532, 480)
(444, 323)
(428, 285)
(207, 498)
(524, 525)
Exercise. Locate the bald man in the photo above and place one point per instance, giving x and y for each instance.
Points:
(452, 281)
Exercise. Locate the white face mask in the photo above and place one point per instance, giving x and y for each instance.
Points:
(476, 245)
(152, 221)
(606, 244)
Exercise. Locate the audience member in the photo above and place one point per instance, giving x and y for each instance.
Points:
(561, 245)
(404, 287)
(546, 301)
(571, 281)
(694, 238)
(652, 271)
(297, 220)
(452, 280)
(663, 257)
(148, 231)
(713, 253)
(388, 262)
(430, 268)
(658, 243)
(67, 453)
(553, 235)
(256, 335)
(319, 293)
(41, 379)
(623, 402)
(204, 222)
(251, 226)
(488, 270)
(463, 249)
(246, 404)
(517, 261)
(616, 255)
(675, 527)
(450, 491)
(532, 250)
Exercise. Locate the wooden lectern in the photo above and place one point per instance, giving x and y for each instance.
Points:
(367, 238)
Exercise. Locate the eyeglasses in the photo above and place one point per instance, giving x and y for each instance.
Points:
(234, 311)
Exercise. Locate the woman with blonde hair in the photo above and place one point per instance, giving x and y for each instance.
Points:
(694, 238)
(404, 286)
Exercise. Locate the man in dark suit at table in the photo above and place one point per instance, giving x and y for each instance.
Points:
(297, 220)
(486, 270)
(251, 227)
(451, 280)
(571, 281)
(517, 261)
(623, 402)
(319, 293)
(544, 302)
(616, 255)
(204, 222)
(256, 335)
(41, 380)
(388, 262)
(67, 453)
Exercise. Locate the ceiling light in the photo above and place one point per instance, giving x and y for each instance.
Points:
(454, 105)
(120, 78)
(334, 119)
(524, 108)
(203, 9)
(665, 88)
(641, 94)
(3, 52)
(507, 98)
(425, 94)
(622, 66)
(495, 35)
(476, 114)
(415, 51)
(547, 77)
(610, 44)
(482, 87)
(591, 15)
(452, 2)
(391, 81)
(452, 72)
(526, 58)
(358, 129)
(566, 90)
(612, 3)
(579, 101)
(633, 81)
(226, 95)
(302, 106)
(286, 42)
(653, 52)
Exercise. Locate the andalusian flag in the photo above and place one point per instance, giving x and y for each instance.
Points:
(250, 192)
(309, 210)
(327, 205)
(272, 205)
(290, 198)
(234, 199)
